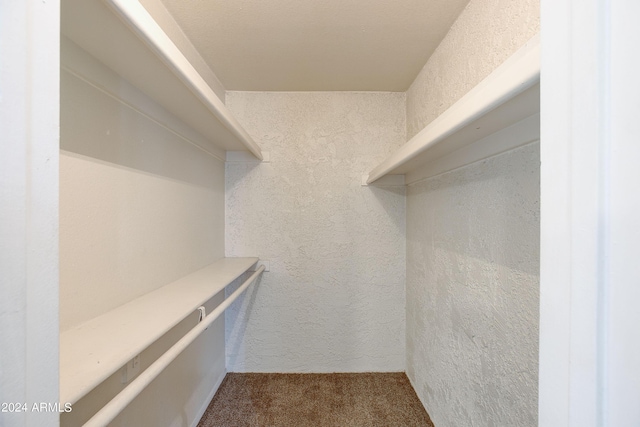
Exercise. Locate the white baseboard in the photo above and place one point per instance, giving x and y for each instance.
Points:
(205, 405)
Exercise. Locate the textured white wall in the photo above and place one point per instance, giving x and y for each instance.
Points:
(140, 206)
(334, 299)
(472, 291)
(485, 34)
(472, 250)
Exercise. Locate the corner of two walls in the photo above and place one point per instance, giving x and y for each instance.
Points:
(473, 244)
(485, 34)
(334, 299)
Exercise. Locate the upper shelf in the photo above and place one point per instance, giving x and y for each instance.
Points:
(94, 350)
(509, 95)
(124, 36)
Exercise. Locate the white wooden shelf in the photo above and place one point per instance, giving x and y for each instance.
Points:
(124, 36)
(96, 349)
(508, 97)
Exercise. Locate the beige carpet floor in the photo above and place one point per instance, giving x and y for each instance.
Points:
(318, 400)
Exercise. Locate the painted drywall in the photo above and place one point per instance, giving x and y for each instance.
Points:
(113, 154)
(334, 298)
(473, 291)
(472, 244)
(29, 112)
(141, 204)
(485, 34)
(589, 341)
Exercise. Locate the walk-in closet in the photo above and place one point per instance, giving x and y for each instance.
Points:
(312, 213)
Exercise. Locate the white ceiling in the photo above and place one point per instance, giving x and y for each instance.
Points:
(309, 45)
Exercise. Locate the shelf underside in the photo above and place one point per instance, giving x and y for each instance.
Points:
(508, 96)
(524, 105)
(97, 29)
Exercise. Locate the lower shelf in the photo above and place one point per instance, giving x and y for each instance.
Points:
(96, 349)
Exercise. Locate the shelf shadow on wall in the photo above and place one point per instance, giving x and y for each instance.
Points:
(387, 197)
(489, 211)
(237, 317)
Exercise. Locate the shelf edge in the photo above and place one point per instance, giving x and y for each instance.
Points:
(136, 17)
(509, 138)
(81, 382)
(517, 74)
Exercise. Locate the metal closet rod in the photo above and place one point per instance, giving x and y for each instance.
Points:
(111, 410)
